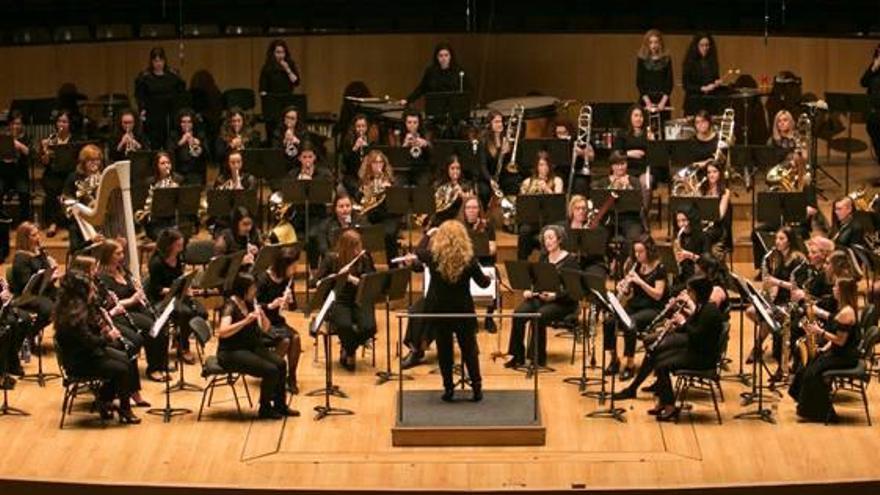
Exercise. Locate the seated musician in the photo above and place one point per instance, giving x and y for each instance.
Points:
(644, 291)
(578, 218)
(275, 293)
(132, 310)
(341, 218)
(165, 267)
(784, 135)
(542, 181)
(839, 340)
(776, 275)
(163, 177)
(553, 306)
(232, 176)
(414, 139)
(235, 135)
(450, 189)
(15, 169)
(290, 135)
(688, 245)
(241, 235)
(848, 231)
(633, 142)
(497, 155)
(626, 224)
(478, 223)
(719, 235)
(128, 138)
(188, 146)
(705, 139)
(91, 347)
(583, 155)
(813, 290)
(308, 170)
(376, 175)
(355, 145)
(19, 339)
(354, 324)
(82, 187)
(241, 350)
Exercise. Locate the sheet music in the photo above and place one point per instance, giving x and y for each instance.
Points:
(163, 318)
(325, 308)
(618, 308)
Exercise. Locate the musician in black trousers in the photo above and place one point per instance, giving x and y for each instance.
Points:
(15, 173)
(157, 90)
(871, 82)
(448, 253)
(30, 258)
(275, 293)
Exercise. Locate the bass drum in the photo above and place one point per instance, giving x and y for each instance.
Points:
(539, 113)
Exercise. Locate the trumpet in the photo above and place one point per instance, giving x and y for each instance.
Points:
(415, 151)
(131, 143)
(366, 144)
(233, 183)
(290, 148)
(195, 147)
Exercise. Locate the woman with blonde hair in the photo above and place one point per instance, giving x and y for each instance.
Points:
(654, 72)
(375, 177)
(449, 255)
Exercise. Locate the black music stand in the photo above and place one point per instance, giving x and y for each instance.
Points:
(580, 286)
(706, 207)
(268, 165)
(372, 238)
(540, 209)
(628, 201)
(468, 153)
(409, 201)
(585, 243)
(36, 286)
(751, 159)
(398, 157)
(389, 286)
(5, 344)
(659, 154)
(605, 305)
(782, 208)
(762, 310)
(848, 103)
(326, 293)
(167, 412)
(306, 193)
(536, 277)
(275, 103)
(177, 203)
(177, 292)
(220, 272)
(222, 201)
(610, 115)
(267, 255)
(558, 149)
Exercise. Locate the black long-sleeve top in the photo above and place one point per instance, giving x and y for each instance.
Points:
(436, 80)
(703, 150)
(269, 289)
(24, 266)
(184, 162)
(698, 73)
(871, 81)
(346, 292)
(162, 276)
(654, 77)
(627, 141)
(157, 94)
(849, 233)
(331, 227)
(81, 340)
(274, 79)
(248, 338)
(703, 330)
(116, 154)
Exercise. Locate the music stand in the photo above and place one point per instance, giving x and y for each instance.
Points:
(579, 285)
(782, 208)
(540, 209)
(611, 306)
(306, 193)
(627, 201)
(848, 103)
(706, 207)
(220, 272)
(5, 344)
(468, 153)
(536, 277)
(585, 243)
(389, 286)
(267, 255)
(751, 159)
(409, 201)
(610, 115)
(223, 201)
(34, 287)
(166, 412)
(275, 103)
(398, 157)
(658, 155)
(326, 293)
(560, 151)
(447, 106)
(268, 165)
(764, 314)
(176, 202)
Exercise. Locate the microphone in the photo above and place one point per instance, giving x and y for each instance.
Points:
(461, 81)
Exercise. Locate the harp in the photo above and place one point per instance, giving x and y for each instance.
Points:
(112, 212)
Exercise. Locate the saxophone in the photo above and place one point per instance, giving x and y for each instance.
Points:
(143, 216)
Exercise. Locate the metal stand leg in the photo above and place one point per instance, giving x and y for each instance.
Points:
(168, 412)
(329, 389)
(388, 375)
(757, 393)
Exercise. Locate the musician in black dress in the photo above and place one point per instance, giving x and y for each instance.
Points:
(719, 235)
(241, 349)
(578, 214)
(241, 235)
(278, 77)
(644, 290)
(700, 75)
(553, 306)
(444, 74)
(450, 189)
(354, 147)
(165, 267)
(232, 176)
(477, 223)
(128, 137)
(163, 177)
(654, 73)
(415, 140)
(87, 347)
(275, 293)
(839, 350)
(633, 142)
(848, 231)
(54, 176)
(354, 324)
(542, 181)
(705, 140)
(82, 187)
(157, 90)
(871, 82)
(15, 170)
(448, 253)
(189, 147)
(627, 225)
(341, 218)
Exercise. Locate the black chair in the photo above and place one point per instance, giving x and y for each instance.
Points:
(707, 380)
(73, 385)
(571, 327)
(857, 378)
(214, 372)
(198, 252)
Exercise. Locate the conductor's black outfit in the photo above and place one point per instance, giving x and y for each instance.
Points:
(445, 296)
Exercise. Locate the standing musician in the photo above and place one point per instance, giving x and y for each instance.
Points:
(89, 344)
(235, 135)
(128, 138)
(848, 231)
(15, 172)
(241, 350)
(477, 223)
(719, 234)
(376, 175)
(188, 146)
(553, 306)
(355, 145)
(497, 155)
(871, 82)
(776, 274)
(53, 180)
(415, 141)
(654, 73)
(232, 176)
(542, 181)
(444, 74)
(343, 217)
(166, 266)
(241, 235)
(644, 292)
(688, 245)
(700, 75)
(354, 325)
(82, 186)
(274, 294)
(163, 177)
(841, 335)
(562, 129)
(290, 135)
(279, 75)
(133, 309)
(634, 144)
(450, 190)
(157, 90)
(448, 253)
(626, 224)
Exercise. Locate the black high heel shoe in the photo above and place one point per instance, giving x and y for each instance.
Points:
(669, 414)
(448, 395)
(105, 409)
(127, 417)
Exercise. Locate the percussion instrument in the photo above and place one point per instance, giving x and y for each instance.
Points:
(538, 115)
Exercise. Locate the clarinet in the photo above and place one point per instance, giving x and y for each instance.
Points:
(127, 344)
(111, 296)
(145, 302)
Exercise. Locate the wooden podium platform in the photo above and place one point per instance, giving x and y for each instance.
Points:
(502, 418)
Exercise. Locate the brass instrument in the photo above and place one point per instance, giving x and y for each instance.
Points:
(861, 201)
(290, 148)
(131, 143)
(446, 195)
(532, 186)
(237, 141)
(374, 195)
(676, 243)
(195, 147)
(85, 194)
(685, 182)
(514, 128)
(581, 142)
(142, 216)
(363, 149)
(283, 230)
(46, 145)
(415, 151)
(803, 138)
(231, 184)
(792, 174)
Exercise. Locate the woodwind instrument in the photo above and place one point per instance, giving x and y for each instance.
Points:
(112, 300)
(666, 322)
(595, 217)
(139, 289)
(109, 326)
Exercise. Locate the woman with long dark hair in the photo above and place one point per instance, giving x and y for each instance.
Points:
(128, 137)
(444, 74)
(55, 175)
(189, 147)
(163, 177)
(157, 90)
(700, 75)
(279, 74)
(275, 293)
